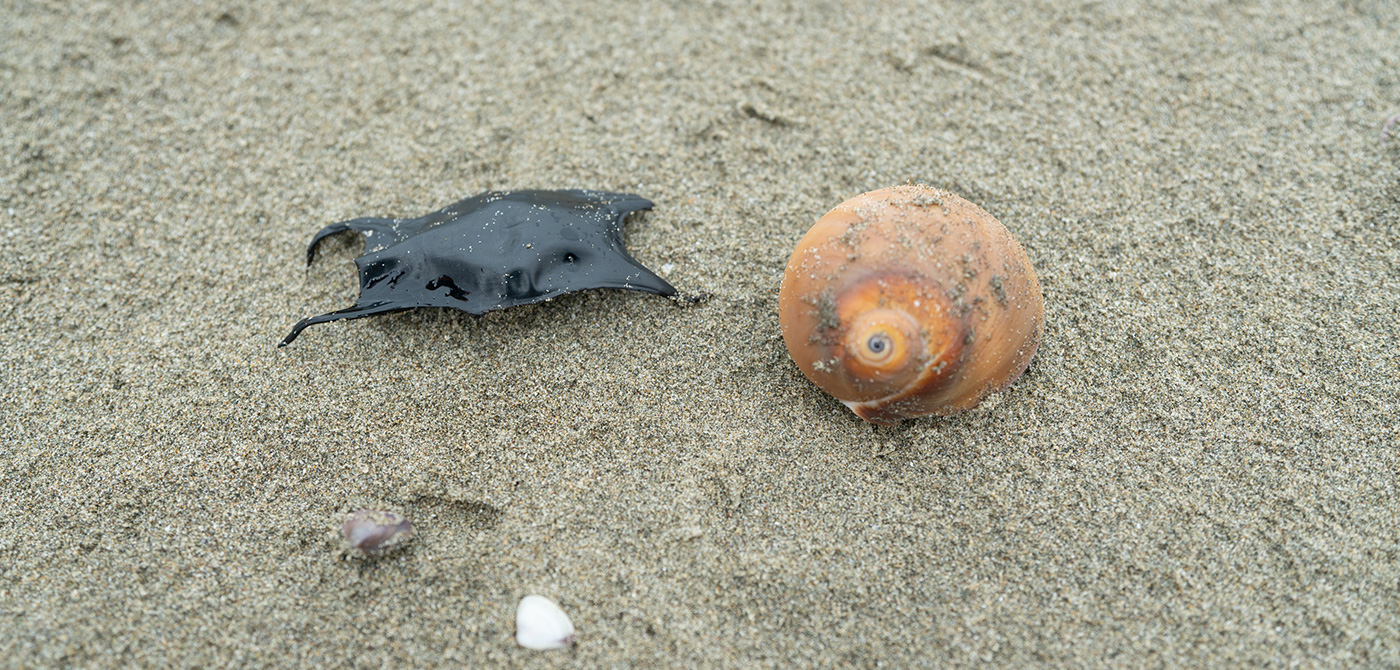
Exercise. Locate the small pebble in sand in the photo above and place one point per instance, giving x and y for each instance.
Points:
(541, 625)
(910, 301)
(374, 532)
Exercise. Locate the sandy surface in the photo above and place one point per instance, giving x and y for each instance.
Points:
(1199, 468)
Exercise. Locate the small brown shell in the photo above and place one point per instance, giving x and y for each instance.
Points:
(910, 301)
(374, 531)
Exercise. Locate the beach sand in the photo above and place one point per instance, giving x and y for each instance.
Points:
(1199, 468)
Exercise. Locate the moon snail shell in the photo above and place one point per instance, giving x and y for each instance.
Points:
(910, 301)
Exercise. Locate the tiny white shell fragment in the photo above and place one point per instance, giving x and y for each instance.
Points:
(541, 625)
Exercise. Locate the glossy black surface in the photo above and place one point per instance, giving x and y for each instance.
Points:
(493, 251)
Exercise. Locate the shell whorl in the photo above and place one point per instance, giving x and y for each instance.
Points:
(910, 321)
(910, 301)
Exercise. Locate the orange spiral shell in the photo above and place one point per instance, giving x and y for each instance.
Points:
(910, 301)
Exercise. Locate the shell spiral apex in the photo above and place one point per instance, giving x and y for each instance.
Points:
(910, 301)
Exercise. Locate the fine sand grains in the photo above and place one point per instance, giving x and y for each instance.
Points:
(1198, 468)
